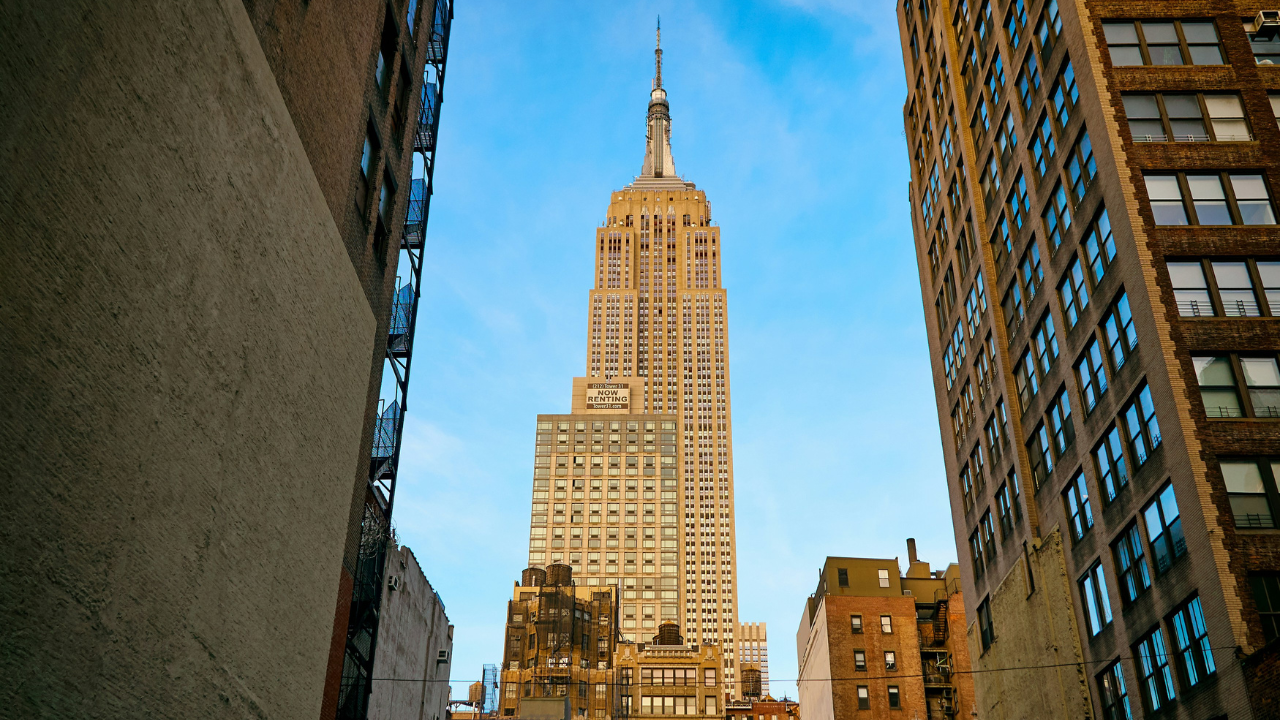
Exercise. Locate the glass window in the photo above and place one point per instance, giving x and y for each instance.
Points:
(1252, 200)
(1162, 43)
(1115, 698)
(890, 660)
(1153, 671)
(1123, 44)
(1190, 290)
(1131, 564)
(1164, 529)
(1044, 342)
(1121, 335)
(1061, 429)
(1091, 375)
(1202, 42)
(986, 629)
(1247, 492)
(1191, 640)
(1235, 289)
(1072, 293)
(1226, 116)
(1166, 199)
(859, 660)
(1269, 273)
(855, 624)
(895, 700)
(1218, 387)
(1266, 597)
(1076, 499)
(886, 624)
(1099, 246)
(1209, 199)
(1143, 112)
(864, 698)
(1109, 459)
(1093, 589)
(1040, 456)
(1185, 119)
(1262, 377)
(1142, 430)
(1057, 217)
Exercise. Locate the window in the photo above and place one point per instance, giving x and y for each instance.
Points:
(860, 660)
(1115, 698)
(1057, 217)
(1274, 97)
(1001, 240)
(1076, 499)
(368, 161)
(1190, 290)
(985, 628)
(886, 624)
(1061, 429)
(1220, 391)
(1265, 45)
(1044, 343)
(1250, 486)
(966, 487)
(1247, 203)
(1097, 606)
(1013, 304)
(1007, 136)
(1142, 432)
(842, 577)
(1108, 458)
(1153, 671)
(1064, 95)
(1266, 596)
(1024, 375)
(1164, 529)
(895, 700)
(1163, 43)
(864, 698)
(1091, 376)
(1040, 456)
(976, 554)
(709, 677)
(1181, 118)
(1122, 337)
(995, 441)
(988, 531)
(1042, 146)
(1099, 246)
(1019, 204)
(1131, 564)
(1005, 512)
(1028, 82)
(1218, 387)
(890, 660)
(1030, 272)
(1049, 27)
(1081, 167)
(1235, 289)
(883, 576)
(855, 624)
(1191, 641)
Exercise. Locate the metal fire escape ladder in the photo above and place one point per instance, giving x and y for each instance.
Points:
(384, 461)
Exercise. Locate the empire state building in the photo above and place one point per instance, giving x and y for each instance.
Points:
(634, 488)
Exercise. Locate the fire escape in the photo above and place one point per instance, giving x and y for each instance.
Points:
(384, 461)
(939, 692)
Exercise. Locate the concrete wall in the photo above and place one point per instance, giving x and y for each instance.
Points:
(814, 657)
(1033, 630)
(186, 361)
(409, 681)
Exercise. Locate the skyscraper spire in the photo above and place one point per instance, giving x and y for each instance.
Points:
(657, 152)
(657, 56)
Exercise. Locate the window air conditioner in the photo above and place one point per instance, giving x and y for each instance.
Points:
(442, 656)
(1266, 24)
(393, 582)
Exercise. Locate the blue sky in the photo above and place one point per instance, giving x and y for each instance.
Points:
(789, 115)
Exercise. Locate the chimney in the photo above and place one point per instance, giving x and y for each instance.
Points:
(911, 551)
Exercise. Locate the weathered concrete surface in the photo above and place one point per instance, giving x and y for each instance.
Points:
(184, 369)
(411, 682)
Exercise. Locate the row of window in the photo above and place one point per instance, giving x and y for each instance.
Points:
(1180, 42)
(1209, 199)
(1232, 288)
(860, 660)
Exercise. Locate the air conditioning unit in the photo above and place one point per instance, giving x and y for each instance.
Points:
(393, 582)
(1266, 24)
(442, 656)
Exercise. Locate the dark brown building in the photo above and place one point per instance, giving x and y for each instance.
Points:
(1093, 197)
(206, 207)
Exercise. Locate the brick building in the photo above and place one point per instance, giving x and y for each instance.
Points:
(214, 200)
(764, 708)
(873, 643)
(559, 643)
(1092, 194)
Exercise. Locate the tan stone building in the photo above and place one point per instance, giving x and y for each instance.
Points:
(1093, 197)
(559, 643)
(753, 647)
(764, 708)
(876, 644)
(669, 677)
(634, 487)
